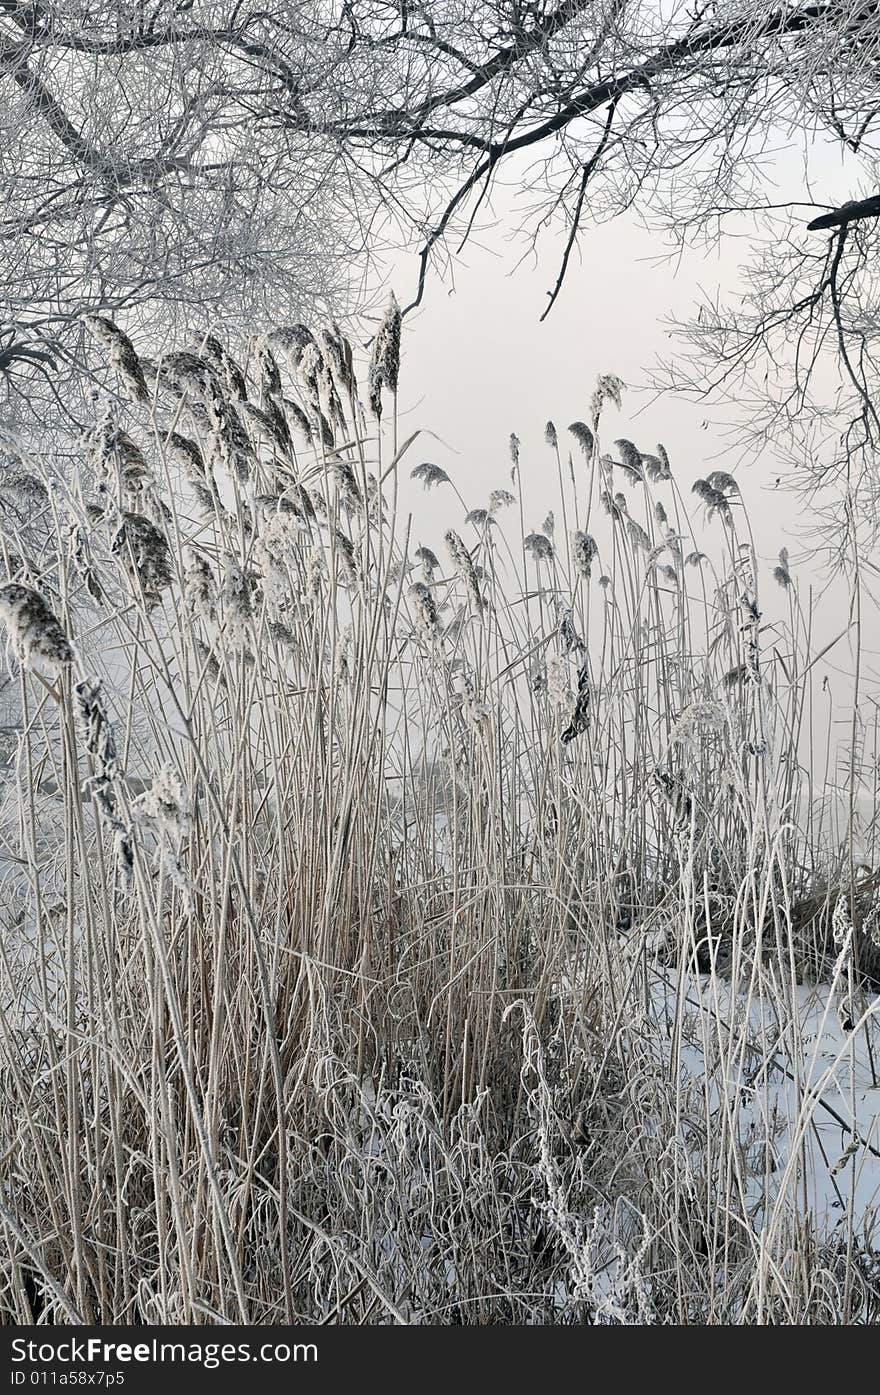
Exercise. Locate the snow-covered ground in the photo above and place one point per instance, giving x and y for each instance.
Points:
(801, 1094)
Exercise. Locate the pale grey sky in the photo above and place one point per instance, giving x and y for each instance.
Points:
(478, 363)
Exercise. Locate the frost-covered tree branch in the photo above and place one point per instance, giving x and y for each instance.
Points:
(216, 160)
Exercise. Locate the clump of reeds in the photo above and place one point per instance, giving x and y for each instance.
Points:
(363, 959)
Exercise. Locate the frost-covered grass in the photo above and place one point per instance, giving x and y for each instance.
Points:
(389, 939)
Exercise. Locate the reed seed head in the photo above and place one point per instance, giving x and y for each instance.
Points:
(584, 551)
(37, 638)
(121, 353)
(429, 475)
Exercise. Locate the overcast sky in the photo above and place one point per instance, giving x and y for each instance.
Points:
(478, 364)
